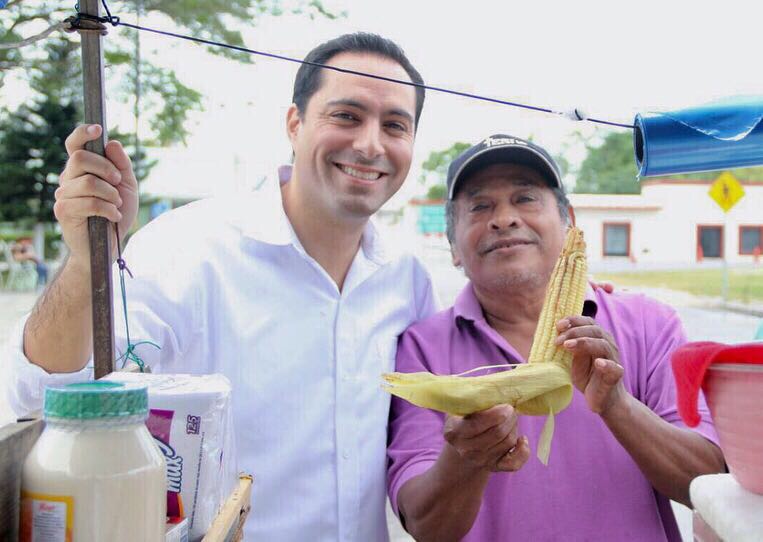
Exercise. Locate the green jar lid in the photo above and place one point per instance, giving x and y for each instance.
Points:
(92, 400)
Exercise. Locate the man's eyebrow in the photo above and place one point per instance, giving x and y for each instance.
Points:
(472, 192)
(401, 113)
(350, 103)
(358, 105)
(521, 182)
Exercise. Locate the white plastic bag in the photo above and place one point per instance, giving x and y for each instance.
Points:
(191, 420)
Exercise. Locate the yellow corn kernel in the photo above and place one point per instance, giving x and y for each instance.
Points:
(541, 387)
(566, 300)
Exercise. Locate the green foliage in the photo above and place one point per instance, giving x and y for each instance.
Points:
(609, 168)
(434, 170)
(168, 123)
(563, 163)
(437, 192)
(31, 156)
(436, 165)
(31, 138)
(167, 100)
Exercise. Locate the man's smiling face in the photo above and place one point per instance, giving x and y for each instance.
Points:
(353, 144)
(508, 230)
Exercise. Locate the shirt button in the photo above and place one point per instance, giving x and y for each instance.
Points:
(346, 377)
(346, 455)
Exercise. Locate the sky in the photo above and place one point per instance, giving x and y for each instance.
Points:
(611, 59)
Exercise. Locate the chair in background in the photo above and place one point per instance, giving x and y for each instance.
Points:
(19, 276)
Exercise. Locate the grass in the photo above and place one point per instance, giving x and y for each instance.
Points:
(745, 285)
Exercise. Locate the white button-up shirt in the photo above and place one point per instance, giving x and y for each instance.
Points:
(224, 286)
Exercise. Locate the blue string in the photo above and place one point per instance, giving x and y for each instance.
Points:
(115, 21)
(129, 354)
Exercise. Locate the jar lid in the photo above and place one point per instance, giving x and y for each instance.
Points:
(99, 399)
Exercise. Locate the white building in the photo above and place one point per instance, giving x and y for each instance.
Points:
(671, 222)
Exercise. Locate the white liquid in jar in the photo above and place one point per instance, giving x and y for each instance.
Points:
(94, 480)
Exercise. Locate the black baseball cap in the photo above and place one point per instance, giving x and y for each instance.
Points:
(502, 149)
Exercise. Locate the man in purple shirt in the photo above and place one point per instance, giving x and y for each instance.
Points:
(620, 450)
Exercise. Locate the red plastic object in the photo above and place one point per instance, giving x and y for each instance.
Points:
(734, 395)
(732, 380)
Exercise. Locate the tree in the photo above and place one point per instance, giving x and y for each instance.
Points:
(609, 168)
(31, 137)
(164, 99)
(437, 192)
(434, 170)
(31, 156)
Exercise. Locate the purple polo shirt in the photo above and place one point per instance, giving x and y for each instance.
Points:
(591, 489)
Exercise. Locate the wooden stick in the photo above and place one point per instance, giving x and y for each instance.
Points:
(98, 227)
(229, 523)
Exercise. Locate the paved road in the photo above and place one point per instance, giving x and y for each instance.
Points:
(700, 324)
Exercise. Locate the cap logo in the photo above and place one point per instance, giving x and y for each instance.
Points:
(494, 141)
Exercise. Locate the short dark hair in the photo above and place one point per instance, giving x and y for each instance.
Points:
(308, 79)
(562, 202)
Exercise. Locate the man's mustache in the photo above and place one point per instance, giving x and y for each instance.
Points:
(504, 241)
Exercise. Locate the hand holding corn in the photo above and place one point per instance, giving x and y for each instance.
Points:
(596, 369)
(488, 439)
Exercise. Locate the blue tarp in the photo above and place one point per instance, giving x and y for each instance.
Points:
(725, 134)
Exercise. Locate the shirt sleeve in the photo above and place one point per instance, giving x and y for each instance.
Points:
(664, 334)
(24, 383)
(427, 301)
(415, 434)
(162, 303)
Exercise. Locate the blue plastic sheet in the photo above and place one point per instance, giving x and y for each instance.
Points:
(722, 135)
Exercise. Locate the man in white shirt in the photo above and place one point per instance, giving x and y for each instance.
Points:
(288, 291)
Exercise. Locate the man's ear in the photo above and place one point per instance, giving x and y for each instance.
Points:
(455, 258)
(571, 212)
(293, 124)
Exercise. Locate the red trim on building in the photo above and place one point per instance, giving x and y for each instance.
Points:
(604, 239)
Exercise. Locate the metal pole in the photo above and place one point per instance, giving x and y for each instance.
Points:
(725, 280)
(98, 227)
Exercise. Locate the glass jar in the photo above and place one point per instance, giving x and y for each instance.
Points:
(95, 473)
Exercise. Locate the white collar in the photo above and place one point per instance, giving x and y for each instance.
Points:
(262, 217)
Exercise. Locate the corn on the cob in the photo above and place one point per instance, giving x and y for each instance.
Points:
(540, 387)
(564, 297)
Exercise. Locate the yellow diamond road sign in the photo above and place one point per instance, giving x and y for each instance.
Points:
(726, 191)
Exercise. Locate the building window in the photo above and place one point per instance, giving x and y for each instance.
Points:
(750, 240)
(617, 239)
(709, 242)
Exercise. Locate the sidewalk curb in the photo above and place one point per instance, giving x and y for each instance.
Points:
(739, 309)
